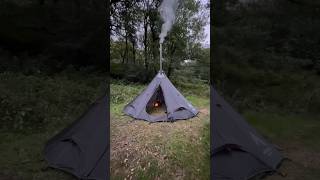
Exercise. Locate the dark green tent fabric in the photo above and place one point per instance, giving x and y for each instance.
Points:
(82, 149)
(238, 152)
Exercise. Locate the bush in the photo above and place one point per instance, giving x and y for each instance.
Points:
(253, 88)
(131, 73)
(34, 103)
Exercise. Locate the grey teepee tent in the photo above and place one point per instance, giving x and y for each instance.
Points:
(161, 91)
(82, 148)
(237, 150)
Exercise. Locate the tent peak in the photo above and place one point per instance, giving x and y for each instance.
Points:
(161, 74)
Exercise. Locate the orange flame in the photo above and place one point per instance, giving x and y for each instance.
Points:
(156, 104)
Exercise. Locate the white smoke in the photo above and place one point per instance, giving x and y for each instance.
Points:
(167, 11)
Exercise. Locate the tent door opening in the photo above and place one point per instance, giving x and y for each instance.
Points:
(156, 106)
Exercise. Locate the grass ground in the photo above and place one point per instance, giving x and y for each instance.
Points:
(140, 150)
(298, 138)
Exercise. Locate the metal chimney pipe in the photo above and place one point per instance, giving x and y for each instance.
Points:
(160, 57)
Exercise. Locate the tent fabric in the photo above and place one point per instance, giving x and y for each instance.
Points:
(177, 107)
(238, 152)
(82, 148)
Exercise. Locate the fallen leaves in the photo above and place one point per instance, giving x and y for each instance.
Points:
(134, 144)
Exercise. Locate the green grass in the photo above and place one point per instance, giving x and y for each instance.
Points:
(287, 127)
(122, 93)
(21, 156)
(312, 174)
(192, 155)
(151, 172)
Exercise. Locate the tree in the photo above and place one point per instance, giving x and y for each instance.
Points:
(143, 19)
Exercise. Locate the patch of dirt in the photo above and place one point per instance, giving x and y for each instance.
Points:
(204, 111)
(135, 143)
(301, 161)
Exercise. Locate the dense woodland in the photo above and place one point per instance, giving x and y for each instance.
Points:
(52, 67)
(44, 46)
(135, 29)
(48, 36)
(265, 54)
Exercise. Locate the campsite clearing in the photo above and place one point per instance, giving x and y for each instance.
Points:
(163, 150)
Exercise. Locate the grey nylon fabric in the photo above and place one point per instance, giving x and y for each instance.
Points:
(177, 106)
(238, 151)
(81, 149)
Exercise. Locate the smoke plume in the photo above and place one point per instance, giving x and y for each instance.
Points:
(167, 11)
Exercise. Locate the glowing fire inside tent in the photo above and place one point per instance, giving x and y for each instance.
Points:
(156, 104)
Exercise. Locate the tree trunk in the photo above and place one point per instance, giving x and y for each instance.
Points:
(154, 41)
(145, 41)
(123, 55)
(126, 48)
(133, 52)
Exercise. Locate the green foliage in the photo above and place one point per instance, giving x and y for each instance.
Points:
(131, 72)
(123, 92)
(267, 89)
(182, 42)
(31, 103)
(33, 109)
(266, 59)
(189, 84)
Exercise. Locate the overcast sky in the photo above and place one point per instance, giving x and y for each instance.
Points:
(207, 32)
(206, 42)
